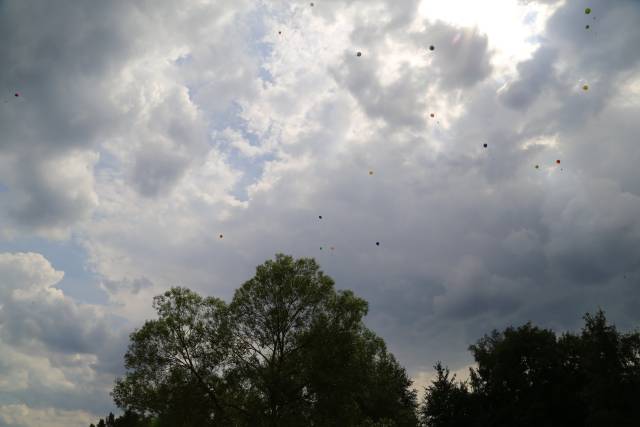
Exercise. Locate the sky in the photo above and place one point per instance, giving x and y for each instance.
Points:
(143, 130)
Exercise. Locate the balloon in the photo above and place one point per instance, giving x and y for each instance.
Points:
(587, 27)
(537, 166)
(585, 87)
(320, 247)
(359, 54)
(377, 243)
(432, 47)
(221, 236)
(320, 216)
(370, 172)
(311, 4)
(17, 94)
(587, 11)
(433, 115)
(484, 145)
(557, 161)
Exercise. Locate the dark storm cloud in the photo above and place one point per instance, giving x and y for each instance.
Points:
(59, 69)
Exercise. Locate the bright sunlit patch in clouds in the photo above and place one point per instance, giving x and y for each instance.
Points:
(512, 27)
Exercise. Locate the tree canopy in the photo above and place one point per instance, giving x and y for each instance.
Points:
(291, 350)
(288, 350)
(528, 376)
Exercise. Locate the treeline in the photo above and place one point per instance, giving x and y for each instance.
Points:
(290, 350)
(528, 376)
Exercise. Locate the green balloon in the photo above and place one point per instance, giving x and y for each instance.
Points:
(587, 10)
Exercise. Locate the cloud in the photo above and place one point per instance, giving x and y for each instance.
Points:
(533, 75)
(47, 196)
(58, 355)
(461, 57)
(18, 415)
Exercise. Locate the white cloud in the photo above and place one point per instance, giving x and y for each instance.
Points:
(57, 354)
(18, 415)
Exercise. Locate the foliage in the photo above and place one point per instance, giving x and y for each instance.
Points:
(528, 376)
(288, 350)
(446, 402)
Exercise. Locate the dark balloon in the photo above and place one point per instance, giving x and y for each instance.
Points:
(221, 236)
(320, 216)
(359, 54)
(370, 172)
(17, 94)
(377, 243)
(433, 115)
(557, 161)
(432, 47)
(587, 11)
(484, 145)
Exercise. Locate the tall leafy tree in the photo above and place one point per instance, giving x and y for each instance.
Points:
(527, 376)
(176, 363)
(610, 369)
(518, 376)
(288, 350)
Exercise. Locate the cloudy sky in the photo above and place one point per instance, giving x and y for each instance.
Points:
(144, 130)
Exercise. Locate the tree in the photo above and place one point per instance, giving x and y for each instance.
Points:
(610, 371)
(128, 419)
(518, 376)
(288, 350)
(526, 376)
(447, 403)
(175, 363)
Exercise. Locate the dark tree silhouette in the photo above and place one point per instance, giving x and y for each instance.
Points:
(447, 403)
(288, 350)
(517, 379)
(527, 376)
